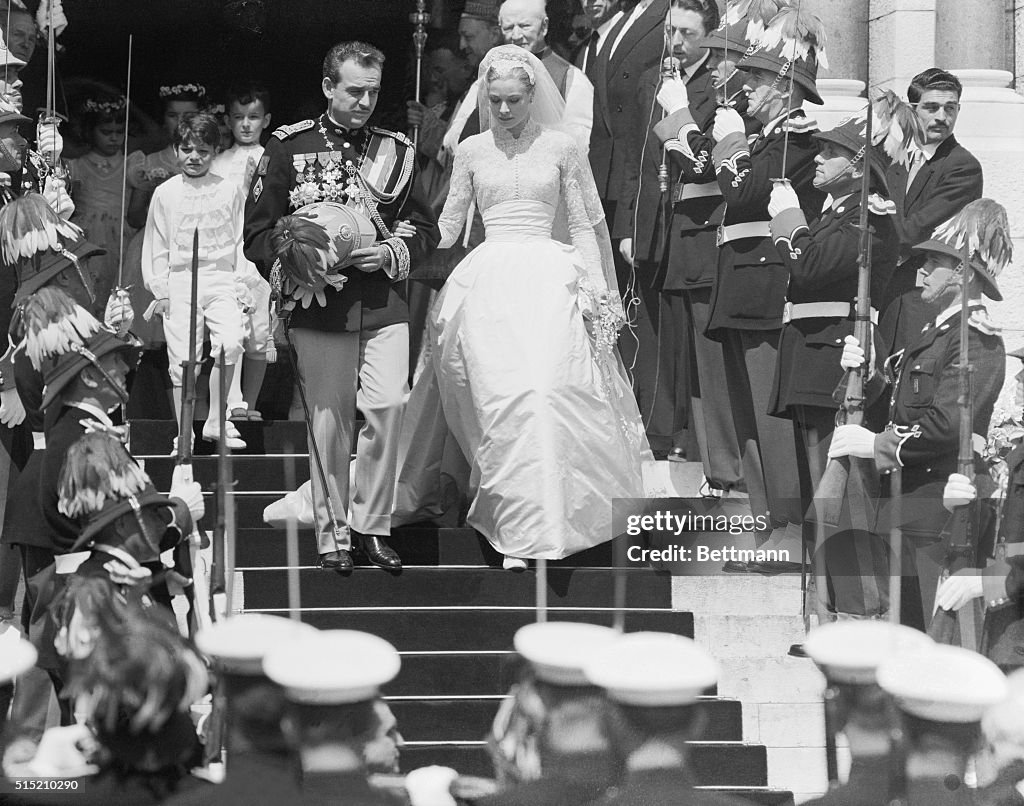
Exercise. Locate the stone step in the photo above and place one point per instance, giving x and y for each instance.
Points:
(267, 589)
(730, 764)
(462, 719)
(250, 473)
(433, 629)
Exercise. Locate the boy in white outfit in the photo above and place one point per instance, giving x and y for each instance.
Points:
(197, 201)
(247, 115)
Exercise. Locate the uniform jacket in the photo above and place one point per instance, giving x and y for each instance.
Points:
(250, 778)
(923, 431)
(867, 785)
(823, 266)
(943, 185)
(618, 131)
(648, 787)
(367, 301)
(750, 288)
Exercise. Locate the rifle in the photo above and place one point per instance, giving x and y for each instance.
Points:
(967, 534)
(838, 489)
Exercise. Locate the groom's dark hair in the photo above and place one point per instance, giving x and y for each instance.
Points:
(360, 52)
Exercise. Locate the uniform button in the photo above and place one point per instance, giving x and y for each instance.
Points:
(346, 145)
(762, 260)
(839, 341)
(618, 108)
(841, 210)
(625, 74)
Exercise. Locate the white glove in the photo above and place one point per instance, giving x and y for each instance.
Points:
(626, 250)
(783, 197)
(56, 194)
(959, 490)
(958, 590)
(49, 142)
(727, 121)
(853, 354)
(192, 494)
(672, 95)
(118, 313)
(852, 440)
(244, 295)
(158, 307)
(12, 410)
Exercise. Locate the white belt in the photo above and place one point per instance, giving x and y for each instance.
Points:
(38, 441)
(689, 190)
(68, 563)
(821, 310)
(748, 229)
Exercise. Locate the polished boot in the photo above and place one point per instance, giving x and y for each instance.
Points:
(339, 561)
(377, 551)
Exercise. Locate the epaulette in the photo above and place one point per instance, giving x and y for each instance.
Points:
(284, 132)
(800, 125)
(403, 139)
(879, 205)
(980, 321)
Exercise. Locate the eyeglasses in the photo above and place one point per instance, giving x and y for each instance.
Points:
(932, 108)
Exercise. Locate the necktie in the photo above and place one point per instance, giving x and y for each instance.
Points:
(591, 57)
(919, 160)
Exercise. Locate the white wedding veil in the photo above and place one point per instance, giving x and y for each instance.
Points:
(548, 109)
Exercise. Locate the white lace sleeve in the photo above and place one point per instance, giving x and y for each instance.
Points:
(460, 195)
(581, 227)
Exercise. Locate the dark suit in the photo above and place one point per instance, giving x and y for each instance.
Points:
(618, 130)
(923, 438)
(941, 188)
(867, 785)
(747, 302)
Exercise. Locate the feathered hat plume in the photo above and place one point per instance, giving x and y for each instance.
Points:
(29, 226)
(54, 322)
(795, 33)
(98, 470)
(300, 243)
(896, 128)
(757, 13)
(985, 230)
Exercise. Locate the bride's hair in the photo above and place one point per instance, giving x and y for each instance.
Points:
(509, 61)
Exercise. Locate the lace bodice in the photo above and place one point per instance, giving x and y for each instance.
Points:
(540, 165)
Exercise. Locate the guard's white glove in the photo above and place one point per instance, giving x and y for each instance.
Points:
(12, 410)
(672, 95)
(783, 197)
(49, 142)
(959, 490)
(852, 440)
(727, 121)
(959, 589)
(626, 250)
(118, 313)
(56, 194)
(853, 354)
(192, 494)
(244, 295)
(158, 307)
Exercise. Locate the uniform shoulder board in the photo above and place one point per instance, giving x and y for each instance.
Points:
(980, 321)
(801, 124)
(880, 206)
(284, 132)
(396, 135)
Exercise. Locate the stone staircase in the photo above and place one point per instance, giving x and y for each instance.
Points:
(451, 612)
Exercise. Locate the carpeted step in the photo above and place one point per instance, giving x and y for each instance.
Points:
(267, 589)
(454, 719)
(431, 629)
(154, 437)
(251, 473)
(730, 764)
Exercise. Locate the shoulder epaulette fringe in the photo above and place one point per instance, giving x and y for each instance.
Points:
(284, 132)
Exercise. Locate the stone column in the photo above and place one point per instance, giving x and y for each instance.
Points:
(991, 126)
(902, 41)
(842, 85)
(970, 35)
(1015, 37)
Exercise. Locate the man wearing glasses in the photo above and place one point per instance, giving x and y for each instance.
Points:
(939, 182)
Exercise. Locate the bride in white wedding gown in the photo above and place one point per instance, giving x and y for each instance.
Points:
(523, 368)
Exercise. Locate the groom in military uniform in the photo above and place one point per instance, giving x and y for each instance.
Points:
(353, 349)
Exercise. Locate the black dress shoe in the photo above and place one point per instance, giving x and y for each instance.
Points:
(676, 455)
(378, 552)
(339, 561)
(798, 651)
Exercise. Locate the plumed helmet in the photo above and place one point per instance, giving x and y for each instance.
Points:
(314, 244)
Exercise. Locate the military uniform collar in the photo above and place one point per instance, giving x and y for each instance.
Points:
(96, 412)
(954, 309)
(336, 128)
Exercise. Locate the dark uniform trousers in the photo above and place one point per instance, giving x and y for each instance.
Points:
(352, 352)
(923, 438)
(748, 299)
(690, 268)
(851, 566)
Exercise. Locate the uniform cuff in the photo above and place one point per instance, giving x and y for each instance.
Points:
(730, 146)
(398, 269)
(785, 225)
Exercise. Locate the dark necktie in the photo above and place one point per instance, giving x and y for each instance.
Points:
(592, 55)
